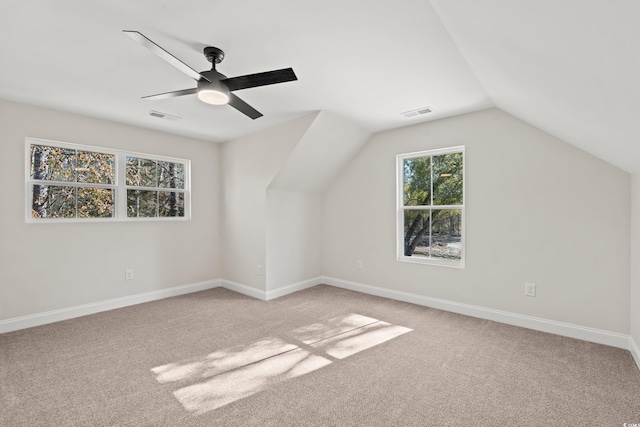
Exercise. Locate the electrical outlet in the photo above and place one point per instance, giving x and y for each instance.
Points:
(128, 275)
(259, 270)
(359, 264)
(530, 289)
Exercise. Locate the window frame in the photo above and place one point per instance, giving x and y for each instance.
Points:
(119, 185)
(401, 208)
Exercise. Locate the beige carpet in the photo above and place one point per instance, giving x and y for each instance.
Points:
(319, 357)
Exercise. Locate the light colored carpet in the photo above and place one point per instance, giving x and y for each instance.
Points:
(320, 357)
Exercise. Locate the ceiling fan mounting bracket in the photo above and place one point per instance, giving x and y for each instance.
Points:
(213, 54)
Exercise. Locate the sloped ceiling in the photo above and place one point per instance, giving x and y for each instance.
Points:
(322, 152)
(569, 67)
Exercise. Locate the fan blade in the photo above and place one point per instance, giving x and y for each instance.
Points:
(243, 107)
(171, 94)
(260, 79)
(144, 41)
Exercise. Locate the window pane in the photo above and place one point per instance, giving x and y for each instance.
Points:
(141, 172)
(416, 232)
(96, 168)
(447, 179)
(170, 175)
(170, 203)
(95, 202)
(53, 163)
(141, 203)
(446, 234)
(417, 181)
(53, 201)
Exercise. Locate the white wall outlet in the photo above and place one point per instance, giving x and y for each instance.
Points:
(359, 264)
(259, 270)
(530, 289)
(128, 275)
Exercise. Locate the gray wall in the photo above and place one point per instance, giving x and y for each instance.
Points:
(273, 182)
(635, 258)
(52, 266)
(537, 210)
(249, 165)
(294, 237)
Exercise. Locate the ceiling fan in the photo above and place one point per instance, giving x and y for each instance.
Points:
(214, 87)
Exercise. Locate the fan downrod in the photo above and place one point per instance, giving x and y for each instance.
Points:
(213, 54)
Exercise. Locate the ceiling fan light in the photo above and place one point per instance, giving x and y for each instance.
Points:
(213, 97)
(213, 92)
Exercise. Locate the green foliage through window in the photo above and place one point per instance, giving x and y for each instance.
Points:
(432, 204)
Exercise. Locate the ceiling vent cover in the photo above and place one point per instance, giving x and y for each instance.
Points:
(417, 112)
(166, 116)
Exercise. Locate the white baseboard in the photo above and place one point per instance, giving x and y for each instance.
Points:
(559, 328)
(38, 319)
(244, 289)
(635, 351)
(272, 294)
(52, 316)
(289, 289)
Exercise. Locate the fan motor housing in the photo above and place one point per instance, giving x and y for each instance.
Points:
(212, 75)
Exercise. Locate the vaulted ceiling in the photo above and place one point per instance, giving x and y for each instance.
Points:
(568, 67)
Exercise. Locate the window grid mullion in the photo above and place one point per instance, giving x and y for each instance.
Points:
(71, 184)
(431, 204)
(436, 207)
(169, 189)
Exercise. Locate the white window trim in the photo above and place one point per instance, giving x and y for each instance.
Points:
(119, 186)
(400, 208)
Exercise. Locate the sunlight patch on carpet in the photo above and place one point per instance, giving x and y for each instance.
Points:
(240, 383)
(221, 361)
(230, 374)
(361, 339)
(332, 327)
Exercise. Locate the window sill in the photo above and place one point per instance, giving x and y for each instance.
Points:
(432, 261)
(103, 220)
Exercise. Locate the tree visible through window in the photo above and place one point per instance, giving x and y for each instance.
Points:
(148, 182)
(68, 181)
(431, 206)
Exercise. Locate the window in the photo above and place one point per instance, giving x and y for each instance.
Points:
(431, 207)
(67, 182)
(154, 188)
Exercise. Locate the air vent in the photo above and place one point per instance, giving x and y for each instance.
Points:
(417, 112)
(165, 116)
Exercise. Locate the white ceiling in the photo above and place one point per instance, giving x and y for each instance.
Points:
(569, 67)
